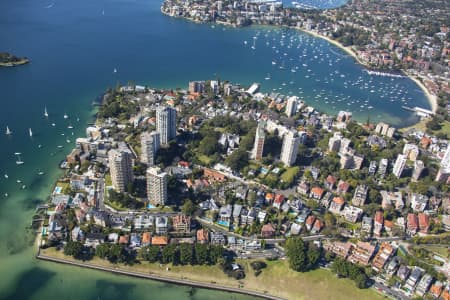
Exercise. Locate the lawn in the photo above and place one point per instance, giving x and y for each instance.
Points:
(204, 159)
(289, 174)
(441, 251)
(277, 279)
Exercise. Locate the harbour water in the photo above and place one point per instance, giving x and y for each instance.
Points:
(74, 47)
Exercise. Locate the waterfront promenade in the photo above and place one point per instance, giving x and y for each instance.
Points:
(172, 280)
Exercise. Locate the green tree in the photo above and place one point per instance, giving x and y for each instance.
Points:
(188, 207)
(149, 253)
(74, 248)
(170, 254)
(215, 254)
(186, 254)
(201, 253)
(295, 251)
(102, 250)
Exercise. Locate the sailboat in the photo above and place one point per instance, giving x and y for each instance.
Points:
(8, 132)
(45, 112)
(267, 77)
(19, 160)
(115, 70)
(30, 132)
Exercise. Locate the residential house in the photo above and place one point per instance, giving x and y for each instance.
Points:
(352, 213)
(146, 238)
(318, 225)
(378, 223)
(161, 225)
(360, 195)
(418, 202)
(181, 223)
(278, 201)
(367, 224)
(217, 238)
(413, 279)
(237, 208)
(436, 289)
(94, 239)
(336, 205)
(135, 240)
(413, 224)
(317, 193)
(342, 187)
(310, 222)
(390, 199)
(383, 255)
(339, 248)
(303, 188)
(330, 182)
(202, 236)
(268, 231)
(326, 200)
(143, 221)
(424, 285)
(225, 215)
(124, 239)
(403, 272)
(424, 222)
(362, 253)
(160, 240)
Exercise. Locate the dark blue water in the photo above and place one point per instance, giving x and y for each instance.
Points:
(74, 49)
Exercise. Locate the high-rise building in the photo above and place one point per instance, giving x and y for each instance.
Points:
(156, 186)
(399, 165)
(120, 165)
(166, 119)
(334, 143)
(289, 150)
(291, 106)
(196, 87)
(260, 137)
(149, 147)
(418, 169)
(443, 174)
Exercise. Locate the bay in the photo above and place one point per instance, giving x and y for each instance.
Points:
(74, 46)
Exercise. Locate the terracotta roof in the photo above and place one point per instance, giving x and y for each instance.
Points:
(317, 190)
(436, 290)
(160, 240)
(279, 198)
(202, 235)
(146, 237)
(318, 224)
(269, 196)
(344, 186)
(123, 239)
(338, 200)
(268, 228)
(310, 220)
(412, 220)
(331, 179)
(379, 217)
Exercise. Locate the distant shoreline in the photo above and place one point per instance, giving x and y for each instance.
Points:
(432, 99)
(20, 62)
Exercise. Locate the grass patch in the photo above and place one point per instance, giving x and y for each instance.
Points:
(289, 174)
(204, 159)
(441, 251)
(277, 279)
(108, 180)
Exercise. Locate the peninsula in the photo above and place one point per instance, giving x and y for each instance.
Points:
(220, 186)
(9, 60)
(390, 36)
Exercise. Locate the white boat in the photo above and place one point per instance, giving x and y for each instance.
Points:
(6, 195)
(66, 116)
(41, 173)
(45, 112)
(19, 160)
(267, 77)
(30, 132)
(6, 176)
(53, 124)
(60, 146)
(19, 181)
(70, 127)
(8, 132)
(115, 70)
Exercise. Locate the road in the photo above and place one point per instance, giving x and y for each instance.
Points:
(389, 291)
(101, 194)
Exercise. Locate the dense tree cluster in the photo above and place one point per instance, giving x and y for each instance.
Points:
(302, 256)
(344, 268)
